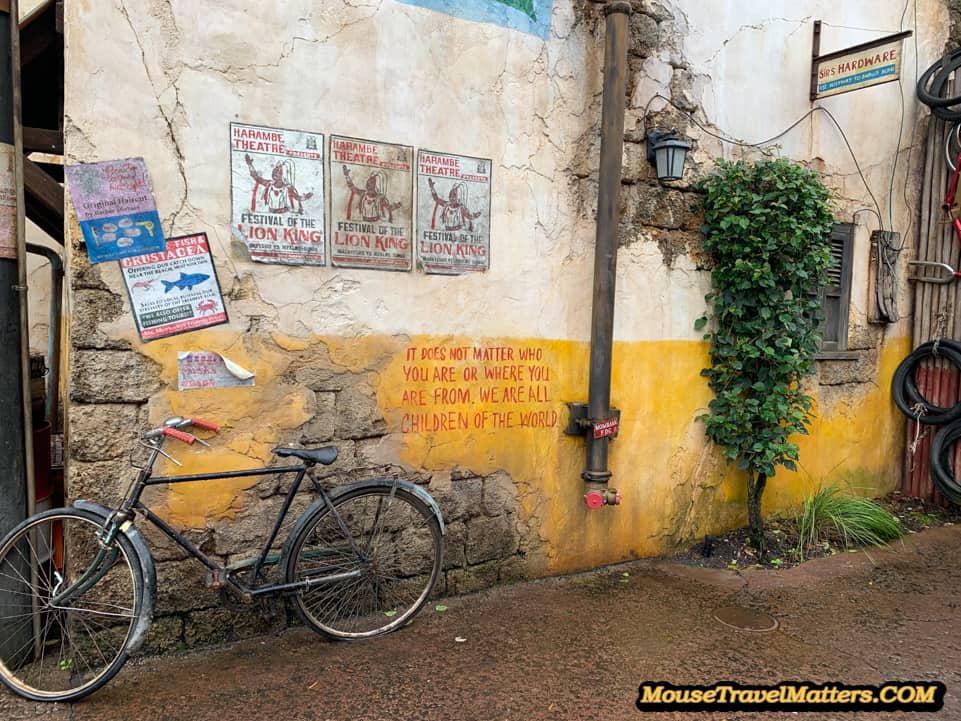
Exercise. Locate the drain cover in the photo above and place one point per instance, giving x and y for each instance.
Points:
(745, 619)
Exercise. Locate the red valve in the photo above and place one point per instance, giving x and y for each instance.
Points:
(179, 435)
(206, 425)
(594, 499)
(597, 499)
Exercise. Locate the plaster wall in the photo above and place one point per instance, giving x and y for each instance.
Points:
(380, 364)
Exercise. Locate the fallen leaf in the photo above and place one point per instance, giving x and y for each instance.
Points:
(441, 609)
(458, 639)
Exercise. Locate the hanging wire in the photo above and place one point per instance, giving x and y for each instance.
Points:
(768, 141)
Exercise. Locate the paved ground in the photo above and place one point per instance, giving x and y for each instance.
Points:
(577, 648)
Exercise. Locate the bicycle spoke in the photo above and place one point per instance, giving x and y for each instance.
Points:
(65, 651)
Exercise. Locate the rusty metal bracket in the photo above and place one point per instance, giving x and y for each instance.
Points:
(580, 424)
(951, 276)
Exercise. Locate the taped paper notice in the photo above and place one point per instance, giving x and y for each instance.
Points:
(205, 369)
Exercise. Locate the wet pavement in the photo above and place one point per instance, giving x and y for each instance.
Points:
(578, 647)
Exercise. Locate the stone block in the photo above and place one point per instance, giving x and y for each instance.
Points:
(102, 431)
(216, 625)
(643, 35)
(90, 309)
(455, 539)
(358, 414)
(181, 587)
(164, 549)
(472, 578)
(461, 499)
(166, 634)
(322, 427)
(491, 539)
(246, 533)
(500, 495)
(655, 10)
(111, 376)
(100, 481)
(653, 206)
(863, 369)
(514, 569)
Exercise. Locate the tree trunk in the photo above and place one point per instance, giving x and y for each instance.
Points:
(755, 489)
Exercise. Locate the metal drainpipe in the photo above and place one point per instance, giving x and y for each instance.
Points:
(52, 408)
(597, 474)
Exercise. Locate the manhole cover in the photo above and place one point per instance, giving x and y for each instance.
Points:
(745, 619)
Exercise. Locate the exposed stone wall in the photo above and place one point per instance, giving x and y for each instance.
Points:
(328, 345)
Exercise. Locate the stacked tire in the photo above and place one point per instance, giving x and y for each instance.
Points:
(934, 86)
(909, 395)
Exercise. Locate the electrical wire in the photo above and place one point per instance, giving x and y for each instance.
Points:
(768, 141)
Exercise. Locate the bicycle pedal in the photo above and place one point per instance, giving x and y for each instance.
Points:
(215, 579)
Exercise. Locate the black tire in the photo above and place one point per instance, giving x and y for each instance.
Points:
(904, 386)
(394, 554)
(82, 640)
(932, 82)
(942, 453)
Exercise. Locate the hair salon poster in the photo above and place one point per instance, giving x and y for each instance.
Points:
(453, 212)
(371, 204)
(277, 193)
(116, 209)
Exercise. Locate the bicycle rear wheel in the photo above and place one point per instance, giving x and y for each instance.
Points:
(370, 565)
(67, 605)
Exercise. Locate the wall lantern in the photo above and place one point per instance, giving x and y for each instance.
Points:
(666, 152)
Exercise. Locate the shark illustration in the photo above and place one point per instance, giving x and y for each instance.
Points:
(186, 281)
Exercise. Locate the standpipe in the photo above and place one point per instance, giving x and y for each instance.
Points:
(597, 421)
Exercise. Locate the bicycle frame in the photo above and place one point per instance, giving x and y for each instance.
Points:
(951, 208)
(224, 575)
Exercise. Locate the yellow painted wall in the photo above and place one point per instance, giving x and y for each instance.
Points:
(675, 487)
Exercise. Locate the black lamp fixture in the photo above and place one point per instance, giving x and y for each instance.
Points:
(667, 153)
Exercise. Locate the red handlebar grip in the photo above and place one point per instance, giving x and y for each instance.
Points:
(179, 435)
(207, 425)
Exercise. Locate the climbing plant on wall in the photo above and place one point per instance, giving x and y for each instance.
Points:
(767, 226)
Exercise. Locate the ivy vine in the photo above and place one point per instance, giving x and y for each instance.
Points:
(767, 226)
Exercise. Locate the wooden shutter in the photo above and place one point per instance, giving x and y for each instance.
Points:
(837, 293)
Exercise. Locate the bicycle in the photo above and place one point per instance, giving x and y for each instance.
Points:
(77, 585)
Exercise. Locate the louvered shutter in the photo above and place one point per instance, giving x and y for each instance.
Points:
(837, 293)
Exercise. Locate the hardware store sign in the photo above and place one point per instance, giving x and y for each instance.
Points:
(858, 67)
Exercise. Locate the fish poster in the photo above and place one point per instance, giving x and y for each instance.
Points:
(277, 194)
(371, 204)
(116, 209)
(453, 213)
(174, 291)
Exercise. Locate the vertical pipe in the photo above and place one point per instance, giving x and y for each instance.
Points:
(52, 408)
(13, 458)
(605, 245)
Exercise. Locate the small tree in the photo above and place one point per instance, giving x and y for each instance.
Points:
(767, 226)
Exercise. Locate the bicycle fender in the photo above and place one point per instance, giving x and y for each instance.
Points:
(145, 559)
(401, 483)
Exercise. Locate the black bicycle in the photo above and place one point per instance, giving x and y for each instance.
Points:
(77, 585)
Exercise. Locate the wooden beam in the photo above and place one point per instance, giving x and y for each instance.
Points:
(48, 192)
(42, 140)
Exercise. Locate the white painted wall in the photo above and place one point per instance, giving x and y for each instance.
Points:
(174, 74)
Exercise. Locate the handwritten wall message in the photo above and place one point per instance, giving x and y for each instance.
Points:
(463, 388)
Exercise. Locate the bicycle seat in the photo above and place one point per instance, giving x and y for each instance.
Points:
(325, 455)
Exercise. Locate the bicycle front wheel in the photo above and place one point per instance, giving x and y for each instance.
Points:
(68, 605)
(370, 564)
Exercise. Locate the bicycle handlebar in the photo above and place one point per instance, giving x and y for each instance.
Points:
(187, 438)
(172, 425)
